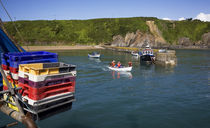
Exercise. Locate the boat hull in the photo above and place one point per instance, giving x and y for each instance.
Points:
(123, 69)
(146, 59)
(94, 56)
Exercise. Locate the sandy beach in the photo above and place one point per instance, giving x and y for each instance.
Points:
(76, 47)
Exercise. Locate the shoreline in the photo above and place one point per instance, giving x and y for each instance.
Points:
(92, 47)
(56, 48)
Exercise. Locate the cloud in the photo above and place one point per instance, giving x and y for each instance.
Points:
(166, 19)
(182, 18)
(203, 17)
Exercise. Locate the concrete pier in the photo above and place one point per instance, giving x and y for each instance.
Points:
(168, 57)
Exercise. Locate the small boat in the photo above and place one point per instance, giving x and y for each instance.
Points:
(121, 69)
(135, 53)
(162, 50)
(147, 55)
(94, 55)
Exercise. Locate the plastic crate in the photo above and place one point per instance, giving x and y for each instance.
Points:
(46, 68)
(41, 93)
(16, 58)
(12, 81)
(38, 78)
(13, 70)
(9, 74)
(5, 67)
(47, 100)
(48, 106)
(47, 82)
(10, 71)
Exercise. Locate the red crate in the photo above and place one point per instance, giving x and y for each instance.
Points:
(13, 70)
(5, 67)
(11, 81)
(5, 88)
(40, 93)
(46, 82)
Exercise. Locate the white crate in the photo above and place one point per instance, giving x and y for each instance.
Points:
(47, 100)
(38, 78)
(14, 75)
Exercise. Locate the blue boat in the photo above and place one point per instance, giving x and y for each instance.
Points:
(7, 45)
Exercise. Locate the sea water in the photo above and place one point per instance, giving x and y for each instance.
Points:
(160, 96)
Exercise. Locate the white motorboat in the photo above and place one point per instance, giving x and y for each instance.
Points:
(134, 54)
(94, 55)
(162, 50)
(121, 69)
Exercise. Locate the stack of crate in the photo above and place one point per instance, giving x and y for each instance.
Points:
(46, 85)
(10, 65)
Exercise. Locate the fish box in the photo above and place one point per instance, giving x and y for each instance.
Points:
(41, 93)
(13, 82)
(38, 78)
(5, 67)
(13, 59)
(51, 105)
(47, 100)
(46, 82)
(46, 68)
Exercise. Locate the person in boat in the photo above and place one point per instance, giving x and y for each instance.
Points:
(113, 63)
(119, 64)
(130, 64)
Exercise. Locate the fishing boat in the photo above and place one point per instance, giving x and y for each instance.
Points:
(147, 56)
(94, 55)
(121, 69)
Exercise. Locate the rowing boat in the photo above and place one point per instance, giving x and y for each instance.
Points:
(121, 69)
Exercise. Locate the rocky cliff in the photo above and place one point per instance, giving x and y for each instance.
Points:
(156, 40)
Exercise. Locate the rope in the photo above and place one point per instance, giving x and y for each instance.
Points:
(13, 23)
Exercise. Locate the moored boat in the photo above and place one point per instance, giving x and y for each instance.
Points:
(147, 55)
(94, 55)
(135, 54)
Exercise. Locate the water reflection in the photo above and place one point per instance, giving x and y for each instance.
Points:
(164, 69)
(118, 75)
(95, 59)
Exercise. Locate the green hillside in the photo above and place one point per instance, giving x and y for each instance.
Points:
(97, 31)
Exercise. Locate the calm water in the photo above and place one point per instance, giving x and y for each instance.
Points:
(149, 96)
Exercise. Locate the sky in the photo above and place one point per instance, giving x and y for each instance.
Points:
(91, 9)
